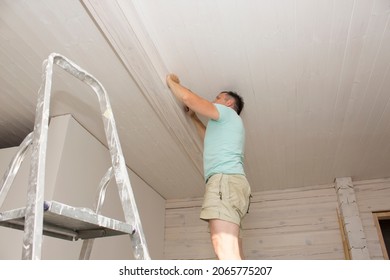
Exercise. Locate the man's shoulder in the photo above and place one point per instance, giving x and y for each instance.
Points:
(223, 109)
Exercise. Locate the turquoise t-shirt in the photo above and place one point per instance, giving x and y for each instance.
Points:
(224, 144)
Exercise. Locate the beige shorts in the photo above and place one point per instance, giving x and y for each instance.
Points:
(227, 198)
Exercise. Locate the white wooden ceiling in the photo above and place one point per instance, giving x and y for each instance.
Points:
(314, 75)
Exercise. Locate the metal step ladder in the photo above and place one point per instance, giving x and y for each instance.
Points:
(59, 220)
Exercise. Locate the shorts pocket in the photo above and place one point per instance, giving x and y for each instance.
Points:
(239, 194)
(249, 203)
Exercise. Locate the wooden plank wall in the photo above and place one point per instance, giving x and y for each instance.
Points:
(298, 223)
(372, 196)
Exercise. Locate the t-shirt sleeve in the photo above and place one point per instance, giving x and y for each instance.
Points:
(222, 110)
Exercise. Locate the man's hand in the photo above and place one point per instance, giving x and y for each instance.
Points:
(172, 78)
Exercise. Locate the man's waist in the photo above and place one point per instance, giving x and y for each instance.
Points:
(223, 173)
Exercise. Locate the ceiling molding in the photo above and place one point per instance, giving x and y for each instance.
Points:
(121, 26)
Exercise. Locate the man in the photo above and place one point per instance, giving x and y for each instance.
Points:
(228, 192)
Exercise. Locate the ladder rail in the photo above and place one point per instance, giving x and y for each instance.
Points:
(86, 248)
(13, 167)
(32, 239)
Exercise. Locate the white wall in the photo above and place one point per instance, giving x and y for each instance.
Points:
(76, 162)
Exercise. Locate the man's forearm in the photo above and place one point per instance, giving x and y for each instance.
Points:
(190, 99)
(200, 127)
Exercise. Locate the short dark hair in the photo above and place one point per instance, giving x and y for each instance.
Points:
(238, 101)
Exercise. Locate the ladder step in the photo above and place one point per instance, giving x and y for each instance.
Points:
(68, 222)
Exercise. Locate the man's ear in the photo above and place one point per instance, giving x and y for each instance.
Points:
(230, 103)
